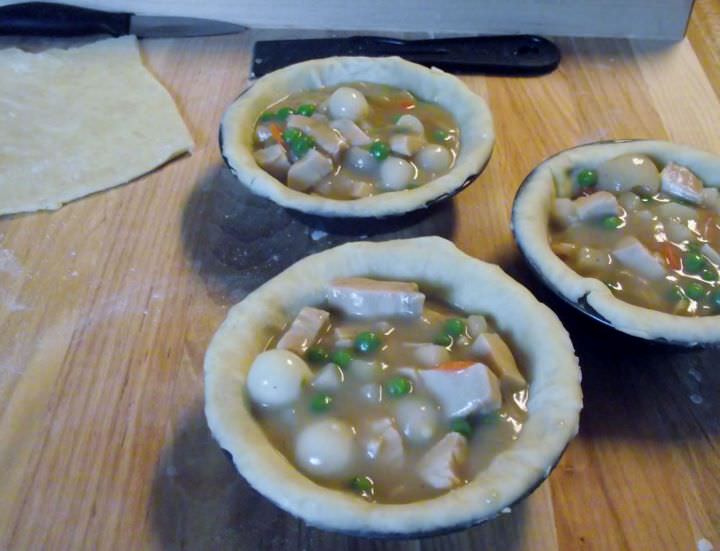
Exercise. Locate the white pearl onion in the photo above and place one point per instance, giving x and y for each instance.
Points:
(276, 377)
(361, 160)
(417, 419)
(326, 449)
(396, 173)
(347, 103)
(433, 158)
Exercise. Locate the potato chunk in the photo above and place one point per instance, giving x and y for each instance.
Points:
(634, 255)
(308, 171)
(463, 392)
(492, 347)
(304, 330)
(439, 466)
(273, 159)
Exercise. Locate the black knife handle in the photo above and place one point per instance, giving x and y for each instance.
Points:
(46, 19)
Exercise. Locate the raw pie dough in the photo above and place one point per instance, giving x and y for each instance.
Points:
(531, 218)
(469, 110)
(447, 274)
(77, 121)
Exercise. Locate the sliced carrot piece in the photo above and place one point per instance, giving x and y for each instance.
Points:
(672, 257)
(277, 134)
(406, 104)
(456, 365)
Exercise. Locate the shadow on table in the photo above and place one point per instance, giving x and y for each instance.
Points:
(236, 240)
(199, 502)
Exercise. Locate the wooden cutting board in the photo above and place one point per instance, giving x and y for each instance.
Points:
(107, 306)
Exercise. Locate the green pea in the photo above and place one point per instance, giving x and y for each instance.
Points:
(675, 294)
(302, 145)
(267, 116)
(440, 135)
(490, 418)
(316, 354)
(612, 222)
(291, 134)
(443, 339)
(367, 342)
(694, 246)
(321, 403)
(362, 484)
(695, 290)
(586, 178)
(379, 150)
(341, 358)
(461, 426)
(284, 112)
(398, 386)
(306, 110)
(693, 263)
(454, 327)
(709, 274)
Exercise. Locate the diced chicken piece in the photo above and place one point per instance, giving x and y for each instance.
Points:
(628, 172)
(309, 170)
(411, 123)
(711, 253)
(274, 160)
(476, 324)
(326, 138)
(677, 232)
(564, 212)
(634, 255)
(352, 133)
(590, 259)
(329, 378)
(474, 389)
(598, 205)
(678, 181)
(262, 133)
(565, 251)
(406, 144)
(677, 211)
(428, 355)
(383, 443)
(492, 347)
(711, 199)
(357, 296)
(439, 466)
(304, 330)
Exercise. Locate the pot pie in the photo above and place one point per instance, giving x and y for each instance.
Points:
(370, 378)
(636, 226)
(356, 136)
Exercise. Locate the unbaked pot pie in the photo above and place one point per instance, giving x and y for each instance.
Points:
(357, 136)
(392, 389)
(630, 232)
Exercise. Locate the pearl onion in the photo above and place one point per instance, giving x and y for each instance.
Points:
(411, 123)
(396, 173)
(433, 158)
(275, 378)
(347, 103)
(361, 160)
(417, 419)
(326, 449)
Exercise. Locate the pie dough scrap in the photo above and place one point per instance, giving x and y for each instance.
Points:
(81, 120)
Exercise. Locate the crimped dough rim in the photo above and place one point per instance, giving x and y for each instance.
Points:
(470, 111)
(538, 339)
(531, 216)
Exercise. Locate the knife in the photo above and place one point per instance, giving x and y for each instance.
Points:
(48, 19)
(496, 55)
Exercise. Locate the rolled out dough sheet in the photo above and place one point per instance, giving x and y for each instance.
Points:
(77, 121)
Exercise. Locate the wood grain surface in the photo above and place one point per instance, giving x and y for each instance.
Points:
(107, 307)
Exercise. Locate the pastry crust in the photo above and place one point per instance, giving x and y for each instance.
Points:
(535, 333)
(531, 218)
(469, 110)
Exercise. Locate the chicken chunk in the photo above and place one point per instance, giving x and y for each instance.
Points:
(564, 212)
(439, 466)
(492, 347)
(273, 159)
(634, 255)
(476, 324)
(304, 330)
(428, 354)
(357, 296)
(383, 443)
(474, 389)
(329, 378)
(326, 138)
(309, 170)
(598, 205)
(406, 144)
(352, 133)
(678, 181)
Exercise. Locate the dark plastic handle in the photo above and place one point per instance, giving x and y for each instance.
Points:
(46, 19)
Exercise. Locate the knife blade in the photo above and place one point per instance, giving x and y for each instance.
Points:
(49, 19)
(498, 55)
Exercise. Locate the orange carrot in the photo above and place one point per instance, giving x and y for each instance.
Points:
(456, 365)
(672, 257)
(406, 104)
(277, 134)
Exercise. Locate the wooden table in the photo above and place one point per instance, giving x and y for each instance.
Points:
(107, 306)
